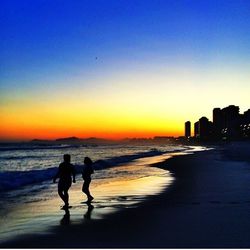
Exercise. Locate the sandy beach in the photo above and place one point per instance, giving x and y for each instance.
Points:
(207, 206)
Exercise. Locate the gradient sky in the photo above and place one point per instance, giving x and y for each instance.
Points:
(121, 68)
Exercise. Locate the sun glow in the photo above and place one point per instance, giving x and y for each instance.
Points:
(157, 103)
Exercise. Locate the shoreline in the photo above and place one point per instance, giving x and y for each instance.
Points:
(193, 212)
(39, 213)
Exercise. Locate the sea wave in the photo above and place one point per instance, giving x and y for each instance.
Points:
(100, 164)
(38, 147)
(25, 157)
(10, 180)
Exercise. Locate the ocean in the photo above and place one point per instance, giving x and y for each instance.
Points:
(123, 178)
(22, 165)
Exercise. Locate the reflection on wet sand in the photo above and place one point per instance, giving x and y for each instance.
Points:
(65, 221)
(87, 215)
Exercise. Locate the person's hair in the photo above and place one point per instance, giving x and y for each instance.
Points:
(88, 161)
(66, 158)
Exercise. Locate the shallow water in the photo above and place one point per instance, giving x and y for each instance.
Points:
(35, 209)
(21, 166)
(42, 210)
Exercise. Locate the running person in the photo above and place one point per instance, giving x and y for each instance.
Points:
(65, 171)
(86, 175)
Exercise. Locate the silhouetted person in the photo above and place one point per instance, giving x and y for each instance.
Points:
(86, 175)
(65, 171)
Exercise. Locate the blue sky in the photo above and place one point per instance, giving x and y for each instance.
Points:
(49, 37)
(47, 46)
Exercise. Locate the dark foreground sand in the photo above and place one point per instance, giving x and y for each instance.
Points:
(208, 206)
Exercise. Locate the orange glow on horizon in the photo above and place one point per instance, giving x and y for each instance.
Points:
(123, 105)
(34, 120)
(29, 133)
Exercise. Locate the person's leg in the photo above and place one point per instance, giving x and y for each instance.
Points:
(90, 197)
(66, 194)
(85, 189)
(66, 197)
(61, 193)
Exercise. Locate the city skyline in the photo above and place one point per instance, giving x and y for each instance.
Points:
(227, 124)
(116, 69)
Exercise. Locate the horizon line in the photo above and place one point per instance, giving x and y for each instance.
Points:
(87, 138)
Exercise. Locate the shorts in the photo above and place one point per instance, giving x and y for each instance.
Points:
(64, 185)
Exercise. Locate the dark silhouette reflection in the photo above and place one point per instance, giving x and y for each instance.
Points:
(87, 215)
(65, 221)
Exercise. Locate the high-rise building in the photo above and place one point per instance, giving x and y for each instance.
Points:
(187, 129)
(245, 125)
(246, 117)
(231, 121)
(196, 129)
(204, 128)
(217, 122)
(227, 123)
(231, 115)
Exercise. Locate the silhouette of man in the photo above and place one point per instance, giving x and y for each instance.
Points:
(65, 171)
(86, 175)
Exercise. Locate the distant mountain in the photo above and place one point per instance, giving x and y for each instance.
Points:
(69, 139)
(74, 140)
(96, 140)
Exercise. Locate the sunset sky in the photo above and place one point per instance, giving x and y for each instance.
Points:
(119, 68)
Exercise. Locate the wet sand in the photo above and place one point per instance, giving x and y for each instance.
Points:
(114, 189)
(207, 206)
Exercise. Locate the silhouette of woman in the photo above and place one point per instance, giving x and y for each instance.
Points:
(64, 173)
(86, 175)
